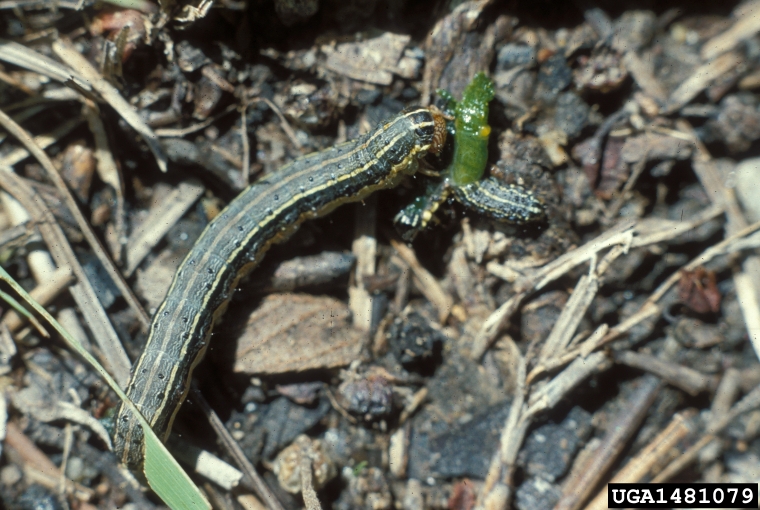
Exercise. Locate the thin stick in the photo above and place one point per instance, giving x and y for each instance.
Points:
(251, 476)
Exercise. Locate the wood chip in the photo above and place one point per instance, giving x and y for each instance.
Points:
(700, 79)
(689, 380)
(643, 73)
(427, 283)
(292, 333)
(658, 450)
(373, 61)
(654, 146)
(747, 24)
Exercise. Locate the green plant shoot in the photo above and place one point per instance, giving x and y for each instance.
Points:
(472, 130)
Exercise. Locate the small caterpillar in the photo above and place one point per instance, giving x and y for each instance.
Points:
(500, 201)
(463, 177)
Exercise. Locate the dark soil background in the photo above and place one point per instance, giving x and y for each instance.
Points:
(481, 364)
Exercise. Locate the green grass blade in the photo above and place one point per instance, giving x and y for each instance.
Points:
(24, 313)
(162, 470)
